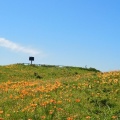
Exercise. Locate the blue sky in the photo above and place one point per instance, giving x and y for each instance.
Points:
(61, 32)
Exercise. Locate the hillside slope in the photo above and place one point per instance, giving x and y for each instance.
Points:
(54, 93)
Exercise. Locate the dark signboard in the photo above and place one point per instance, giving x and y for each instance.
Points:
(31, 58)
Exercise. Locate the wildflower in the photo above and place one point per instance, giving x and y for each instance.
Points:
(59, 109)
(8, 115)
(69, 118)
(59, 102)
(114, 117)
(1, 119)
(43, 117)
(33, 105)
(1, 112)
(11, 96)
(77, 100)
(54, 106)
(51, 112)
(115, 80)
(88, 117)
(52, 101)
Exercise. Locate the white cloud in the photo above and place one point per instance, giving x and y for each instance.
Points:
(15, 47)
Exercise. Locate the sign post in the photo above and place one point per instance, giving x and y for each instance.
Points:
(31, 59)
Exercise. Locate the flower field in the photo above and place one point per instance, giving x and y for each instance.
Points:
(51, 93)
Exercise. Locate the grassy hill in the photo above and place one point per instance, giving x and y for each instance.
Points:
(58, 93)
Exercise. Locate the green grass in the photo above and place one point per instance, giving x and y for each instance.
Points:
(58, 93)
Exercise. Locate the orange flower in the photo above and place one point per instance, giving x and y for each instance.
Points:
(51, 112)
(69, 118)
(1, 119)
(1, 112)
(77, 100)
(59, 109)
(11, 96)
(59, 102)
(43, 117)
(33, 105)
(114, 117)
(8, 115)
(88, 117)
(115, 80)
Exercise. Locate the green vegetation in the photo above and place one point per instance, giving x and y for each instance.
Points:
(58, 93)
